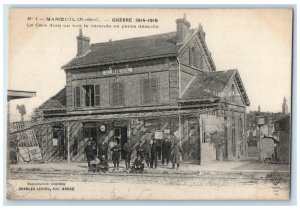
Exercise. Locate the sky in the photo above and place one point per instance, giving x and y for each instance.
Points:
(256, 42)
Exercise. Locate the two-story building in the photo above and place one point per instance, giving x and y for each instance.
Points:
(146, 87)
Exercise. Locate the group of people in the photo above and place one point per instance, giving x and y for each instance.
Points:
(147, 154)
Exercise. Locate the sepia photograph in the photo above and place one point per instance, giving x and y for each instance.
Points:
(149, 104)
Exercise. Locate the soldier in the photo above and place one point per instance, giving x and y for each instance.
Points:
(103, 149)
(116, 149)
(166, 151)
(138, 165)
(103, 165)
(94, 146)
(88, 149)
(154, 153)
(147, 151)
(128, 151)
(176, 151)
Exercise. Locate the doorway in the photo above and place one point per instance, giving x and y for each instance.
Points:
(59, 140)
(121, 133)
(90, 132)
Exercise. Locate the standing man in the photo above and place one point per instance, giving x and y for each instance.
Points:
(147, 151)
(94, 146)
(116, 149)
(128, 151)
(176, 151)
(89, 153)
(153, 154)
(103, 149)
(166, 151)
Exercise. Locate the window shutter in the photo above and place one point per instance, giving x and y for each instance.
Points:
(97, 95)
(146, 91)
(121, 94)
(77, 96)
(154, 90)
(115, 93)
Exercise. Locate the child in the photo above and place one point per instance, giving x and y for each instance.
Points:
(138, 165)
(103, 165)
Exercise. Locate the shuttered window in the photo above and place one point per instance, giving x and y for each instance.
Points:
(150, 91)
(89, 94)
(77, 96)
(118, 94)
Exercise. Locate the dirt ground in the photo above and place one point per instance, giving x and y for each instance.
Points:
(219, 180)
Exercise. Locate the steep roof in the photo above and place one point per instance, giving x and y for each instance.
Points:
(161, 45)
(56, 102)
(207, 86)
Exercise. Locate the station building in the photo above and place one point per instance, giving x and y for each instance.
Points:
(147, 87)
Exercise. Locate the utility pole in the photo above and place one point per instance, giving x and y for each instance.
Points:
(260, 122)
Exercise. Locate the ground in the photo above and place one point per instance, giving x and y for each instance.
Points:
(218, 180)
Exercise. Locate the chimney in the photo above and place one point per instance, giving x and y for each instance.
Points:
(183, 27)
(83, 44)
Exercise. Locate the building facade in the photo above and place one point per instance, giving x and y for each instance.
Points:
(142, 88)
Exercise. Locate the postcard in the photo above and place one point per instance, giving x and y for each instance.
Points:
(149, 104)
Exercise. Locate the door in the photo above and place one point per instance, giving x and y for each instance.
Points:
(59, 135)
(90, 132)
(123, 140)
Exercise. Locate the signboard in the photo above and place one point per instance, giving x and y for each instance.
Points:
(117, 71)
(167, 131)
(54, 141)
(158, 135)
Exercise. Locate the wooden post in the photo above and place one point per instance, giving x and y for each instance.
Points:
(200, 137)
(68, 133)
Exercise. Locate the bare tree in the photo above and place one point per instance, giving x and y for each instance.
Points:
(22, 111)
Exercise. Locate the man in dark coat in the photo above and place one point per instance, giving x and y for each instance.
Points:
(147, 151)
(89, 153)
(176, 152)
(154, 152)
(166, 151)
(103, 148)
(138, 165)
(127, 151)
(116, 150)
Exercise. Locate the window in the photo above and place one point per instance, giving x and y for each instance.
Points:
(195, 58)
(192, 56)
(232, 93)
(91, 95)
(77, 96)
(57, 136)
(118, 94)
(150, 91)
